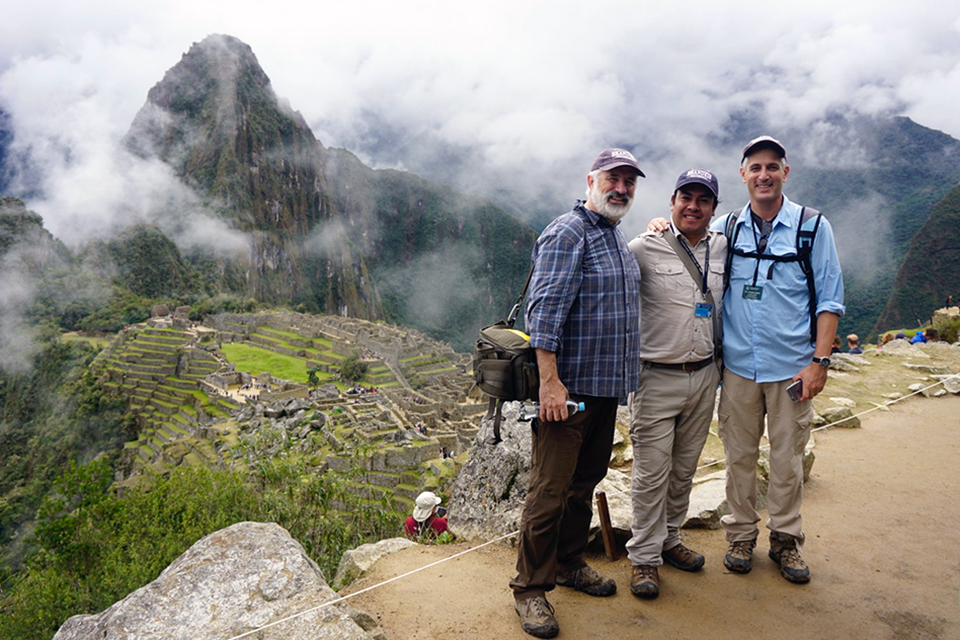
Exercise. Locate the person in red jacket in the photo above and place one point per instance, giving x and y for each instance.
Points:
(426, 523)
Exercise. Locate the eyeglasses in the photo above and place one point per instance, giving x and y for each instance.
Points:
(762, 243)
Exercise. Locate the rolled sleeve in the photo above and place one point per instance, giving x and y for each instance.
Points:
(826, 267)
(555, 283)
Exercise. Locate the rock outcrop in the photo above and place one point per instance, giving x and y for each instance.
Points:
(230, 583)
(356, 562)
(487, 498)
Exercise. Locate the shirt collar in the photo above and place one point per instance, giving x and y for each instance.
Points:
(705, 238)
(595, 218)
(787, 216)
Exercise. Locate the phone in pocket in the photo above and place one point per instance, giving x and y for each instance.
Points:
(795, 390)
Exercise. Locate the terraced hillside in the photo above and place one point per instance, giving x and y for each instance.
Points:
(162, 372)
(234, 392)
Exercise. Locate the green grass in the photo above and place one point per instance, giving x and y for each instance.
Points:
(73, 336)
(256, 360)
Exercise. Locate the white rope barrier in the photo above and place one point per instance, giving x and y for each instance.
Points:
(513, 533)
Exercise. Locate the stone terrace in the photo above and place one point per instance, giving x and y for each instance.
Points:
(394, 435)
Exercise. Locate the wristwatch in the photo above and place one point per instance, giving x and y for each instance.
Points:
(823, 362)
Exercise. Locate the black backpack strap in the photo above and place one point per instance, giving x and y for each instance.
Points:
(515, 311)
(495, 412)
(731, 239)
(805, 238)
(806, 232)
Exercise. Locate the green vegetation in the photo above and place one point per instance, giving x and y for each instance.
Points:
(257, 360)
(54, 414)
(352, 369)
(93, 548)
(950, 332)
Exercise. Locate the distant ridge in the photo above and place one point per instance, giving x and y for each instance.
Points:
(930, 271)
(324, 231)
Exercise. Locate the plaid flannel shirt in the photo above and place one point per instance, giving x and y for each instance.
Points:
(583, 304)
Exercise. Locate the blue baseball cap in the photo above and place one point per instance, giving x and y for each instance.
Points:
(613, 158)
(699, 176)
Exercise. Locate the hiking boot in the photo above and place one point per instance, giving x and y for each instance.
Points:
(587, 580)
(536, 617)
(739, 558)
(645, 582)
(783, 551)
(683, 558)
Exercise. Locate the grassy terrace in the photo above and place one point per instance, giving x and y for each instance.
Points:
(73, 336)
(270, 332)
(256, 360)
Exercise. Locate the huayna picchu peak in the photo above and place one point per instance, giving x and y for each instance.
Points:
(323, 231)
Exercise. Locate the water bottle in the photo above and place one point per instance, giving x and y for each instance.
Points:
(530, 411)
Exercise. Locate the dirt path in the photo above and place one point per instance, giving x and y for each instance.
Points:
(882, 516)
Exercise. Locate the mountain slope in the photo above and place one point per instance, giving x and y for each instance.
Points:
(931, 269)
(325, 233)
(878, 186)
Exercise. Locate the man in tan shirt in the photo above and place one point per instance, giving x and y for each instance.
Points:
(681, 291)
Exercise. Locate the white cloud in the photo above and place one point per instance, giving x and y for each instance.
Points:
(521, 94)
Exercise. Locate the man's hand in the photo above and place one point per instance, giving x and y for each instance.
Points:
(659, 225)
(814, 378)
(553, 393)
(553, 401)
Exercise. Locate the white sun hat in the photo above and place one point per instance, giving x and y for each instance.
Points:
(426, 501)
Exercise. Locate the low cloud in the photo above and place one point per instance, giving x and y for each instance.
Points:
(509, 100)
(17, 348)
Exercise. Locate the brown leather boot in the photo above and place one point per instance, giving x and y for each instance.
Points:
(739, 558)
(784, 551)
(683, 558)
(587, 580)
(536, 617)
(645, 582)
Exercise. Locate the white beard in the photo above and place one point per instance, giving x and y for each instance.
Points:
(610, 211)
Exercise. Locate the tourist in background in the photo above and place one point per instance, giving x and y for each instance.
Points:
(853, 344)
(426, 523)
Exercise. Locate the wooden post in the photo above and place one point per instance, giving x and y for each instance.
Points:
(606, 529)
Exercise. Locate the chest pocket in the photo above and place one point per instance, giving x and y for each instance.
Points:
(668, 276)
(715, 280)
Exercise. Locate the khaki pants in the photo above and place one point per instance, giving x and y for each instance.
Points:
(670, 419)
(568, 460)
(743, 404)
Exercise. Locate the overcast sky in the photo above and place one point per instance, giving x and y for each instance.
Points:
(509, 98)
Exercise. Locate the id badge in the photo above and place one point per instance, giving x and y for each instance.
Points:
(752, 292)
(704, 310)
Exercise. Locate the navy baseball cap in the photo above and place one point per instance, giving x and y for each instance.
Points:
(613, 158)
(764, 142)
(699, 176)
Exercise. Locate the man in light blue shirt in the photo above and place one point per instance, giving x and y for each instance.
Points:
(769, 326)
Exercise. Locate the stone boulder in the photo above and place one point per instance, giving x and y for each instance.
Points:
(356, 562)
(922, 388)
(950, 382)
(902, 348)
(928, 368)
(486, 499)
(851, 359)
(327, 391)
(231, 582)
(840, 417)
(616, 487)
(708, 501)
